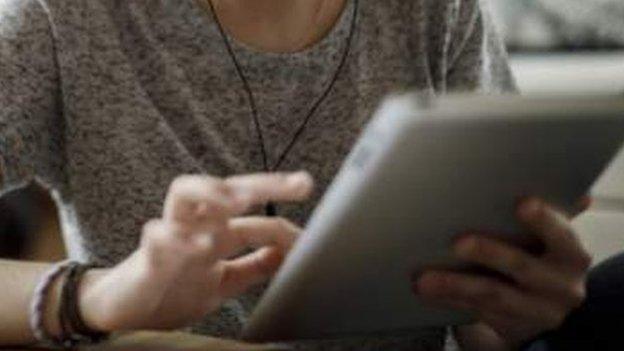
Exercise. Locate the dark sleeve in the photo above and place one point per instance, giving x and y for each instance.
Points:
(598, 323)
(31, 123)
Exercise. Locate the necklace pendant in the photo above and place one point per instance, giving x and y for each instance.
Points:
(271, 210)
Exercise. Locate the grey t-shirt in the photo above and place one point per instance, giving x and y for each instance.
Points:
(106, 101)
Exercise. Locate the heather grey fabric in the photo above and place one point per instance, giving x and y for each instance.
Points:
(106, 101)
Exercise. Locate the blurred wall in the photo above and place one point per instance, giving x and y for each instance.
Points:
(574, 47)
(567, 24)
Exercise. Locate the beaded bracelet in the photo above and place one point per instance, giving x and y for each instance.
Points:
(39, 301)
(75, 330)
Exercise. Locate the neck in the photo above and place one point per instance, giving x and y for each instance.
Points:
(273, 11)
(278, 25)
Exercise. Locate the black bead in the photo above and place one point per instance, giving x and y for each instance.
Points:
(271, 210)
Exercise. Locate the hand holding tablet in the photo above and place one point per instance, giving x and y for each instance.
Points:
(423, 172)
(527, 291)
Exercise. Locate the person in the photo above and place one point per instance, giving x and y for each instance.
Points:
(168, 133)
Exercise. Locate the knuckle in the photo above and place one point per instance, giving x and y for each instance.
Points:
(496, 254)
(486, 250)
(585, 260)
(199, 251)
(480, 249)
(212, 210)
(286, 225)
(150, 231)
(218, 187)
(577, 295)
(201, 244)
(179, 181)
(156, 242)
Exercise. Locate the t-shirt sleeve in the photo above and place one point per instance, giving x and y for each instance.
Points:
(477, 60)
(31, 123)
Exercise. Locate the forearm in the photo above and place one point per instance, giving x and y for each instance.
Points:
(19, 280)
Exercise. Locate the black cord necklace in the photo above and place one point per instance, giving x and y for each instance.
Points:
(271, 209)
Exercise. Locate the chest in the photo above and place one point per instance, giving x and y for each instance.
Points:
(168, 76)
(151, 93)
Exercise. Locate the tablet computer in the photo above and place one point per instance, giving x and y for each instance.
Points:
(424, 171)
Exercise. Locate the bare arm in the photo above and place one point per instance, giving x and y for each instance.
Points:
(30, 140)
(19, 280)
(182, 269)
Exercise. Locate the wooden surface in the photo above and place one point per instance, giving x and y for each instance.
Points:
(151, 341)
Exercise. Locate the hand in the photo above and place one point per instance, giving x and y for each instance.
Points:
(534, 293)
(184, 267)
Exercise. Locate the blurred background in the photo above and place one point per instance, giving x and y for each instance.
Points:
(557, 47)
(574, 47)
(564, 46)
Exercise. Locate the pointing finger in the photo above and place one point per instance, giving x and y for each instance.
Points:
(259, 189)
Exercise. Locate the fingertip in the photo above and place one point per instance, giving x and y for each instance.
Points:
(585, 203)
(463, 235)
(529, 208)
(272, 260)
(465, 247)
(428, 283)
(302, 182)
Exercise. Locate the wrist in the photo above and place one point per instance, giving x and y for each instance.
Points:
(91, 300)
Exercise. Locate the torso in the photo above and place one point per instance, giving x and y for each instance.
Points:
(149, 93)
(155, 95)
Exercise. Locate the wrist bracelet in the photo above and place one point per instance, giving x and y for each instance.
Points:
(75, 330)
(39, 301)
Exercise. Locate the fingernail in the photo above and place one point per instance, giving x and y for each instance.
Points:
(301, 180)
(301, 176)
